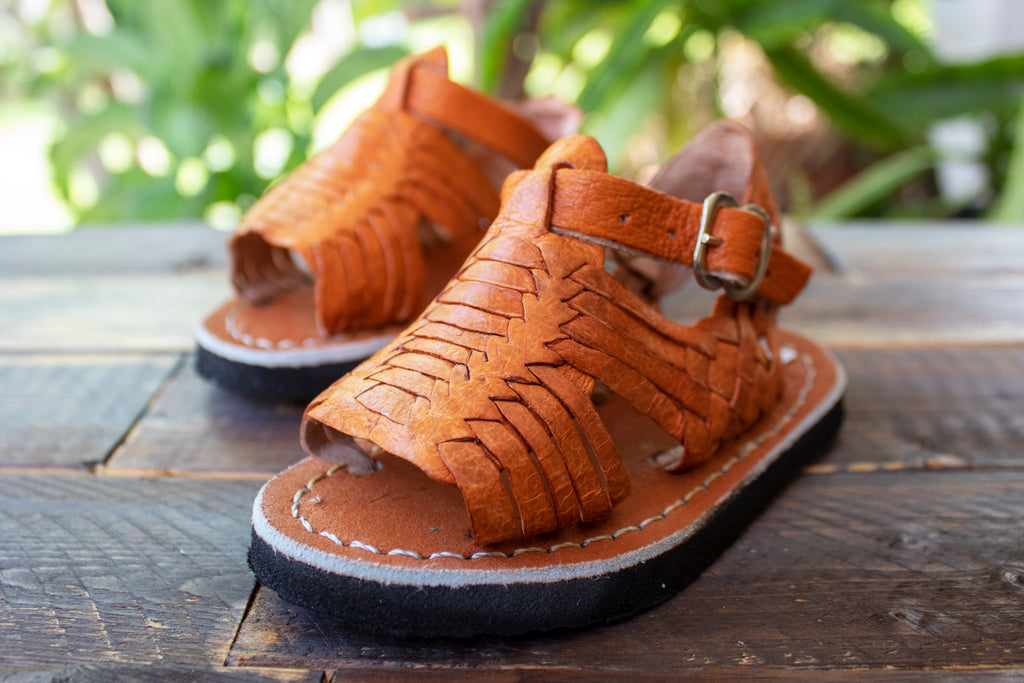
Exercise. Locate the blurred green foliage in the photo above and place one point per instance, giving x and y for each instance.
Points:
(165, 103)
(173, 108)
(174, 77)
(882, 98)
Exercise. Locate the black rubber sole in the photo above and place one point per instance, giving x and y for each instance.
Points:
(517, 608)
(270, 385)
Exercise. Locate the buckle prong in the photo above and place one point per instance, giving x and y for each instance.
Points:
(705, 239)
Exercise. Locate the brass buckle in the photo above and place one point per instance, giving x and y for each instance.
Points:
(704, 239)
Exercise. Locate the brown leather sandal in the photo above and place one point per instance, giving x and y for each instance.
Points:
(380, 221)
(541, 448)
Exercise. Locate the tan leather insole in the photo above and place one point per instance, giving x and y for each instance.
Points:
(398, 508)
(287, 318)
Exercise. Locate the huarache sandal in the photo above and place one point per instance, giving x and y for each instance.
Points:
(379, 221)
(468, 478)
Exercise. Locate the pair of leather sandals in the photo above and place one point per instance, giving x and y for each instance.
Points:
(539, 447)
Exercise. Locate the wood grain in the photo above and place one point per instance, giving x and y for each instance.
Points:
(717, 674)
(106, 313)
(844, 571)
(167, 248)
(913, 286)
(931, 408)
(99, 569)
(148, 673)
(948, 250)
(72, 410)
(884, 310)
(109, 290)
(147, 289)
(196, 428)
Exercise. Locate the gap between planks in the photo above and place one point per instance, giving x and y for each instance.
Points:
(940, 464)
(256, 587)
(103, 469)
(137, 418)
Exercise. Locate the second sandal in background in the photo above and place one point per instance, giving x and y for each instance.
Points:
(332, 262)
(541, 448)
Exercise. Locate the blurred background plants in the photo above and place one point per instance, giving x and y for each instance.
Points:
(185, 109)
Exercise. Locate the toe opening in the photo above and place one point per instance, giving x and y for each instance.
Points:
(330, 445)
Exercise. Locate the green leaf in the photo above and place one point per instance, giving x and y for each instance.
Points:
(776, 23)
(874, 184)
(136, 196)
(563, 24)
(500, 27)
(358, 62)
(1009, 207)
(855, 116)
(624, 60)
(363, 9)
(93, 56)
(622, 117)
(292, 18)
(932, 208)
(82, 138)
(876, 17)
(946, 91)
(176, 33)
(180, 126)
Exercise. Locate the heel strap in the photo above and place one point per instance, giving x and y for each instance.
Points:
(421, 86)
(624, 215)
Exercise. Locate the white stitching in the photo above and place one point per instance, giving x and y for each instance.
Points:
(260, 342)
(747, 449)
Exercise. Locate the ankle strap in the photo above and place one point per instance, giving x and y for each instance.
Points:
(621, 214)
(421, 86)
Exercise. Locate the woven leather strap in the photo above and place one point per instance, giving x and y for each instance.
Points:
(355, 212)
(489, 389)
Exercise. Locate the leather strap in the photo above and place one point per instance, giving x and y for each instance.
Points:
(624, 215)
(424, 89)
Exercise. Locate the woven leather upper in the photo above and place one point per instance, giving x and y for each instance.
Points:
(490, 388)
(358, 212)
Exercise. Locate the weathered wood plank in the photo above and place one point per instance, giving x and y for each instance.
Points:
(876, 311)
(844, 571)
(857, 309)
(107, 312)
(944, 407)
(72, 410)
(870, 560)
(919, 248)
(148, 673)
(159, 312)
(118, 288)
(174, 248)
(931, 408)
(716, 674)
(98, 569)
(712, 675)
(144, 290)
(917, 284)
(910, 287)
(196, 428)
(951, 250)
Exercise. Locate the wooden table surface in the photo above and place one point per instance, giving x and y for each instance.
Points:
(126, 484)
